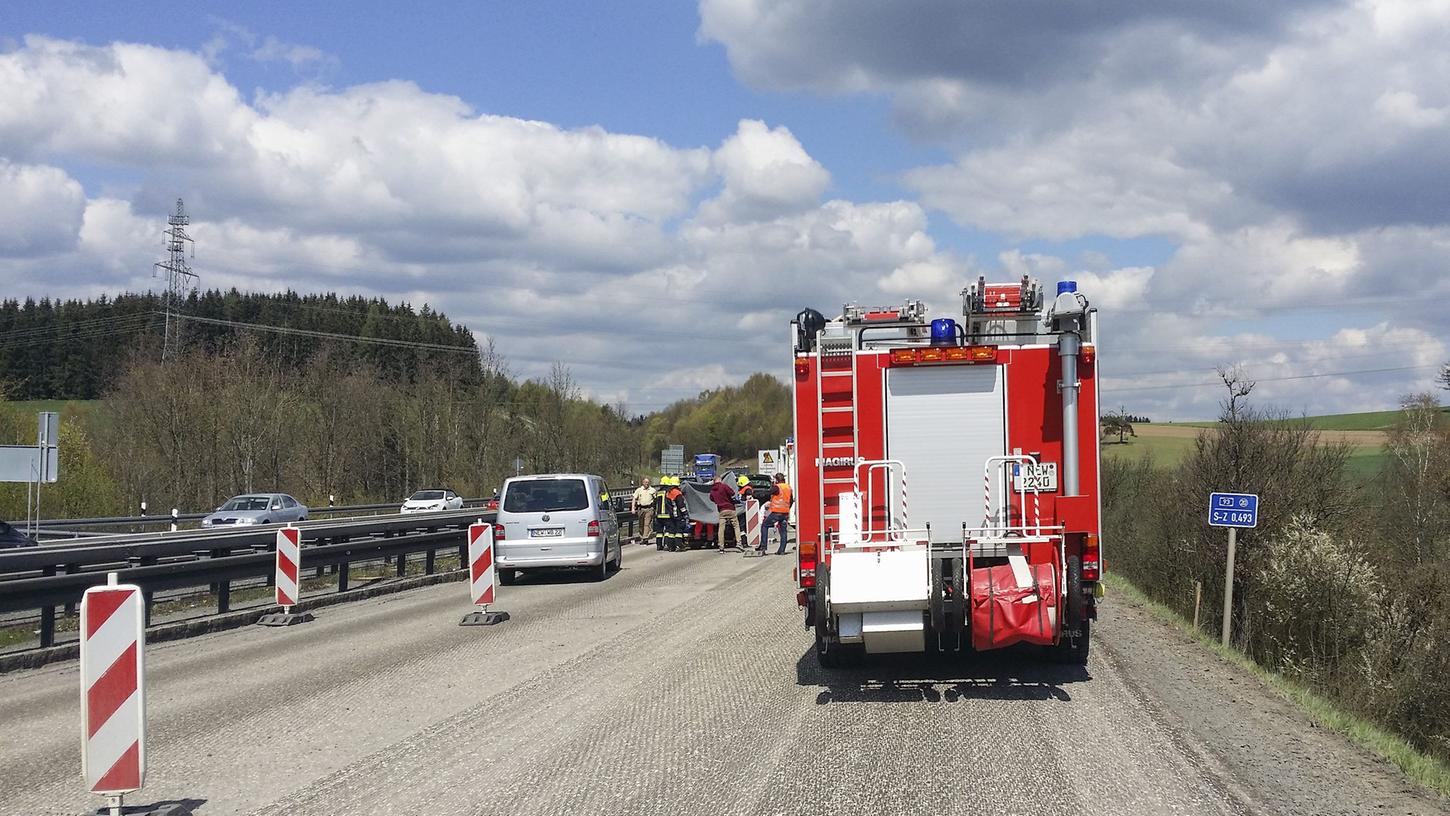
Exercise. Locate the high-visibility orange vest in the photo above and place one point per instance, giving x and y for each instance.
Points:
(780, 502)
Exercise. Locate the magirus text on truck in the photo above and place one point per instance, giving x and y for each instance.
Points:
(948, 474)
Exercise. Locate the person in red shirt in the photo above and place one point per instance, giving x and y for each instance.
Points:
(724, 499)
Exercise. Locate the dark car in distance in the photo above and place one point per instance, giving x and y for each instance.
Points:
(12, 537)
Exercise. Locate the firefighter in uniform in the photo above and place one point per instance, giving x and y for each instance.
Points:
(681, 517)
(664, 515)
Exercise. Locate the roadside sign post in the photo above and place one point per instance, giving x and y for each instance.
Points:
(113, 691)
(1231, 510)
(482, 577)
(289, 576)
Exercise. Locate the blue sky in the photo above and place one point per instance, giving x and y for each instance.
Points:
(842, 150)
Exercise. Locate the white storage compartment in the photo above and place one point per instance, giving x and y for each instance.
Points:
(879, 581)
(887, 632)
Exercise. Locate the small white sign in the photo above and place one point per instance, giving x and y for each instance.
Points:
(765, 462)
(1040, 477)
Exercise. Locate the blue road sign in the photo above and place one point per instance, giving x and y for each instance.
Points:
(1233, 509)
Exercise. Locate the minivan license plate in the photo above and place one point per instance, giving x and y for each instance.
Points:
(547, 532)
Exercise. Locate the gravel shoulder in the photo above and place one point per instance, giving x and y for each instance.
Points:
(1278, 758)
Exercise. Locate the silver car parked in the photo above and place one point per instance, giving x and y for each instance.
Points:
(257, 508)
(556, 520)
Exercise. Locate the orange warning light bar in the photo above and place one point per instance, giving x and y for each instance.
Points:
(935, 355)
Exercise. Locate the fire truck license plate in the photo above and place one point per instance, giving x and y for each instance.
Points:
(1041, 477)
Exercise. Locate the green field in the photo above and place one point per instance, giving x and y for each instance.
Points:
(1364, 461)
(1165, 450)
(1368, 421)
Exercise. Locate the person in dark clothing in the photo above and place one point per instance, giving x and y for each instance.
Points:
(724, 499)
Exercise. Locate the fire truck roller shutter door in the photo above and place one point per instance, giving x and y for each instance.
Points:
(943, 424)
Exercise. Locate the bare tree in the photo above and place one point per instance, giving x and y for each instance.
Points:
(1239, 387)
(1418, 445)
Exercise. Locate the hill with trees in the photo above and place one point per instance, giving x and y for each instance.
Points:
(77, 349)
(734, 422)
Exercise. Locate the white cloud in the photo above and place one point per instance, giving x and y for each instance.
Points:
(1291, 156)
(766, 173)
(580, 245)
(40, 210)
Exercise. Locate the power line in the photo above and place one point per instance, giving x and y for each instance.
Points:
(77, 325)
(352, 338)
(1269, 379)
(60, 335)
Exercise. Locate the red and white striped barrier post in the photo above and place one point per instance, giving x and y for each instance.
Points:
(752, 526)
(482, 577)
(289, 564)
(113, 690)
(289, 571)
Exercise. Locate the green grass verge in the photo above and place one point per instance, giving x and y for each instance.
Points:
(1165, 450)
(1418, 766)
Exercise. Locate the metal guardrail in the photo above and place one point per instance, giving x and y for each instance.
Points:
(55, 575)
(139, 521)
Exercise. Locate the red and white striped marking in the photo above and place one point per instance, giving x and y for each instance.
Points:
(113, 707)
(289, 565)
(481, 574)
(752, 523)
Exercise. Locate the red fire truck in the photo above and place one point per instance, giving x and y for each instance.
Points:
(948, 474)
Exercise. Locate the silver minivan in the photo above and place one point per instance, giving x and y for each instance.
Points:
(556, 520)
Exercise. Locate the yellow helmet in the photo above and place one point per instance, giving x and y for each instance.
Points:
(742, 481)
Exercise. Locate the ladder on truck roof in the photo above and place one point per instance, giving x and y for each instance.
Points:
(837, 405)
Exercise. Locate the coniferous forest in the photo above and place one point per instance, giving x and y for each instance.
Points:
(77, 349)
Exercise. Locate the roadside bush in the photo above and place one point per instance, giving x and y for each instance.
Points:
(1314, 602)
(1352, 603)
(1403, 677)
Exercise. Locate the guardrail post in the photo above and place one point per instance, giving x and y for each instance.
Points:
(222, 588)
(402, 564)
(71, 569)
(47, 618)
(342, 576)
(428, 559)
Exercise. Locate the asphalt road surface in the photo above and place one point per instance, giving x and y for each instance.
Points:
(684, 685)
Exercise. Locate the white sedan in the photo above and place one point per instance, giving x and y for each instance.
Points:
(431, 500)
